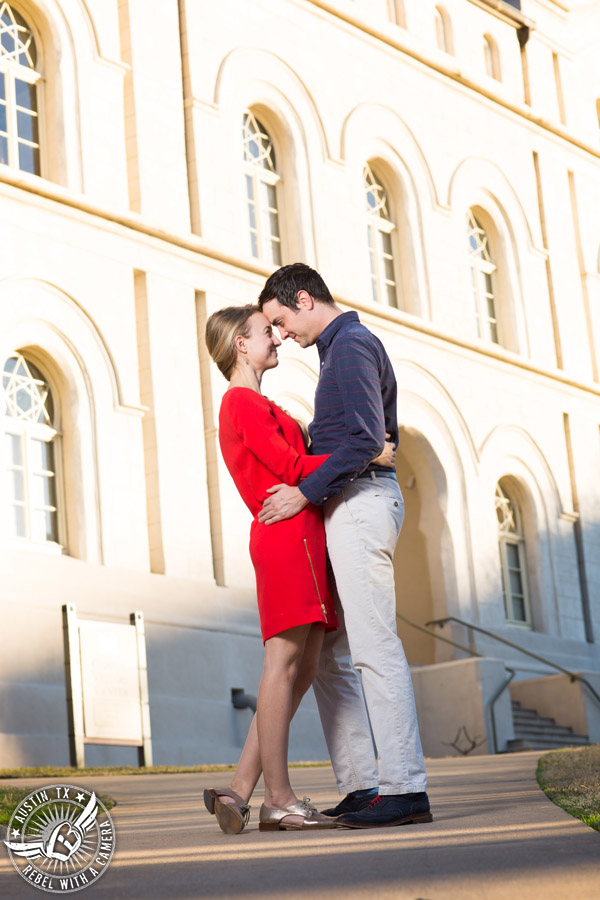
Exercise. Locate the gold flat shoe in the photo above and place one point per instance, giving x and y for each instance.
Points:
(273, 819)
(232, 817)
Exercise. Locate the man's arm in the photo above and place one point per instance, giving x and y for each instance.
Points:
(358, 380)
(356, 368)
(285, 502)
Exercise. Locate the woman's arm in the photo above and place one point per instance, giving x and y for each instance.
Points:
(252, 418)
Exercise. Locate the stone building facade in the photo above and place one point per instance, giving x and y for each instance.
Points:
(440, 165)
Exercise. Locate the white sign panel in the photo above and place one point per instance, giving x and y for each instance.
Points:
(111, 685)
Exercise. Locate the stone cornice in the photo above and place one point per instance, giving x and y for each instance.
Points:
(392, 37)
(196, 250)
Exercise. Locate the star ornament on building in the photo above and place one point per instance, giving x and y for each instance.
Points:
(505, 512)
(24, 394)
(478, 239)
(16, 39)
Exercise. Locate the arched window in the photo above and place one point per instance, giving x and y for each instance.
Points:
(482, 274)
(512, 558)
(30, 453)
(379, 233)
(19, 117)
(491, 58)
(443, 30)
(260, 171)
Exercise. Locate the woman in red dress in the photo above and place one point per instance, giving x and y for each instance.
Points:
(262, 445)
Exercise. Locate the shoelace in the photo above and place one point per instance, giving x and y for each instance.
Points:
(245, 811)
(308, 805)
(375, 801)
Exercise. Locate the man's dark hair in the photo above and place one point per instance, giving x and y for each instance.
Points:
(284, 284)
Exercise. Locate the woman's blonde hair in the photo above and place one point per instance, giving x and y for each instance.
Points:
(222, 329)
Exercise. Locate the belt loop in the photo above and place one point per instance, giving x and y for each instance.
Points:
(373, 476)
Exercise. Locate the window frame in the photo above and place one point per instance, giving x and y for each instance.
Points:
(28, 432)
(491, 58)
(486, 268)
(513, 538)
(13, 71)
(258, 176)
(378, 229)
(443, 30)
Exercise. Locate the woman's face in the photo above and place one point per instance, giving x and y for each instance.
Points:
(261, 344)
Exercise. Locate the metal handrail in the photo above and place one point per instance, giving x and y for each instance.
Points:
(492, 702)
(574, 676)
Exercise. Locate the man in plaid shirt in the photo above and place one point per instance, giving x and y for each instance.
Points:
(363, 510)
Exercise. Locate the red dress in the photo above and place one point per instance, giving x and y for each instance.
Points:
(262, 446)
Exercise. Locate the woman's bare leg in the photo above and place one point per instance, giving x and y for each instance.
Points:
(283, 655)
(249, 768)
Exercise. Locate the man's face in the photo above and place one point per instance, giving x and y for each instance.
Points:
(297, 324)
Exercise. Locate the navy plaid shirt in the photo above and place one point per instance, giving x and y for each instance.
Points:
(355, 404)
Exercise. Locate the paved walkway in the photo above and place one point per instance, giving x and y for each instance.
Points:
(495, 836)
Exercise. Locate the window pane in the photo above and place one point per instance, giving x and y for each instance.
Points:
(252, 216)
(389, 269)
(439, 31)
(272, 196)
(25, 94)
(38, 525)
(42, 456)
(249, 188)
(43, 491)
(29, 159)
(8, 43)
(516, 583)
(3, 150)
(51, 528)
(518, 609)
(3, 118)
(512, 556)
(27, 127)
(254, 243)
(274, 224)
(14, 449)
(15, 487)
(16, 521)
(276, 252)
(24, 400)
(2, 87)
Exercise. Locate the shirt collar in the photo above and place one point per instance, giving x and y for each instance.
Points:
(340, 322)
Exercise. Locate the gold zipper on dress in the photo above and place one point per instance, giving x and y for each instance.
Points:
(312, 569)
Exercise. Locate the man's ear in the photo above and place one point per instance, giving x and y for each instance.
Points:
(305, 301)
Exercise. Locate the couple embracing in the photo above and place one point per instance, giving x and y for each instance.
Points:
(341, 502)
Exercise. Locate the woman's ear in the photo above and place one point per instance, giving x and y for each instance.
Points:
(239, 343)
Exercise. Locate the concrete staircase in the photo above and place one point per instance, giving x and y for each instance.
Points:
(535, 732)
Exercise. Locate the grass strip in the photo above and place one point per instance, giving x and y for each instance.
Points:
(571, 779)
(69, 772)
(10, 797)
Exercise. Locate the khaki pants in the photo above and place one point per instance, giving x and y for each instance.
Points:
(362, 524)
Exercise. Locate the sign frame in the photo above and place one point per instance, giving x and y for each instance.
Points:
(75, 691)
